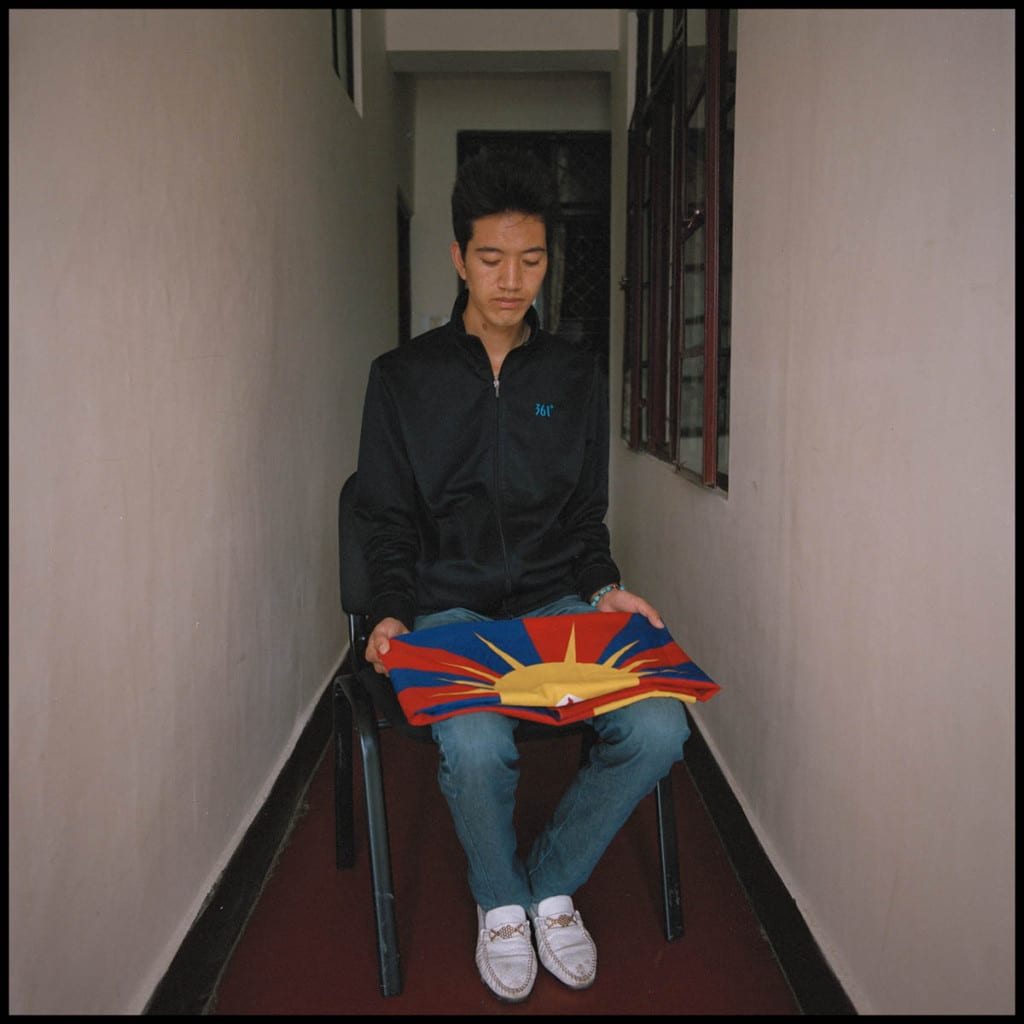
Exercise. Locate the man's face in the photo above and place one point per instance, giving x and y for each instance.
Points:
(503, 268)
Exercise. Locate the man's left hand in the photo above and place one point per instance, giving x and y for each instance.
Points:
(627, 601)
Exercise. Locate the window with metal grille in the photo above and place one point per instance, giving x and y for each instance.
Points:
(679, 234)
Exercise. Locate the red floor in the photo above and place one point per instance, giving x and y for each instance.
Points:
(309, 947)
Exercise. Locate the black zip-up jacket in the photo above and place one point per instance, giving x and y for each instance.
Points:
(480, 492)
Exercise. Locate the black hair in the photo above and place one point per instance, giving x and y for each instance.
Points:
(501, 181)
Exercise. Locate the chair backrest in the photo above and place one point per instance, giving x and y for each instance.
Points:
(354, 576)
(354, 579)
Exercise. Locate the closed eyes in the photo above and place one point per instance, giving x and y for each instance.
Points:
(526, 263)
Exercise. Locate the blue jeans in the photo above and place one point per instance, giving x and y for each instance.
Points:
(479, 772)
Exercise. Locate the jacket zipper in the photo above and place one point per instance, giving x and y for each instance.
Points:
(497, 483)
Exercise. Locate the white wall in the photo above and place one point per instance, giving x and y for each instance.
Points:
(198, 279)
(447, 104)
(503, 39)
(498, 29)
(854, 593)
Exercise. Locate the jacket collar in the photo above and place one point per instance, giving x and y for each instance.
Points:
(459, 326)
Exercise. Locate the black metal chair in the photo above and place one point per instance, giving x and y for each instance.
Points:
(364, 703)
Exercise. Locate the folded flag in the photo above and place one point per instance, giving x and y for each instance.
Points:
(554, 669)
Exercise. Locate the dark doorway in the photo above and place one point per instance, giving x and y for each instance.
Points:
(575, 298)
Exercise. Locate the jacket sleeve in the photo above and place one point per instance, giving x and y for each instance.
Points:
(385, 506)
(594, 567)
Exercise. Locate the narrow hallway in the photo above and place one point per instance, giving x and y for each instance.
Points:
(309, 946)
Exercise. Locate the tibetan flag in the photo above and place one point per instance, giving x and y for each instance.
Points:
(553, 669)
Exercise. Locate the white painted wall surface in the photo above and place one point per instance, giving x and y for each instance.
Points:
(502, 29)
(854, 594)
(198, 279)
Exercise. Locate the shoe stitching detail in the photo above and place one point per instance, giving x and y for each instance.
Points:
(498, 986)
(585, 970)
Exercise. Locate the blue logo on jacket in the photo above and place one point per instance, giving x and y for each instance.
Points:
(543, 410)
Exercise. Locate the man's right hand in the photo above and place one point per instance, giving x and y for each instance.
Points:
(379, 642)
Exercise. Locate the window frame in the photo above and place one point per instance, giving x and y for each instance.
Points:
(342, 48)
(346, 51)
(659, 226)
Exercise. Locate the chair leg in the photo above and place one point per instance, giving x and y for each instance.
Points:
(344, 828)
(668, 844)
(389, 961)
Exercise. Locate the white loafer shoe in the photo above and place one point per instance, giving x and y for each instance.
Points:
(564, 946)
(504, 953)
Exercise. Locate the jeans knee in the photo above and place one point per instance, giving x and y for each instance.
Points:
(654, 729)
(475, 745)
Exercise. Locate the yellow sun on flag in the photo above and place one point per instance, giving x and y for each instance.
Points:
(556, 683)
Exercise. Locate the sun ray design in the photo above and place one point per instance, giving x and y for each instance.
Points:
(618, 654)
(570, 650)
(555, 669)
(500, 653)
(474, 671)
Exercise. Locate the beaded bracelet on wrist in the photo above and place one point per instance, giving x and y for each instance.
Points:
(605, 590)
